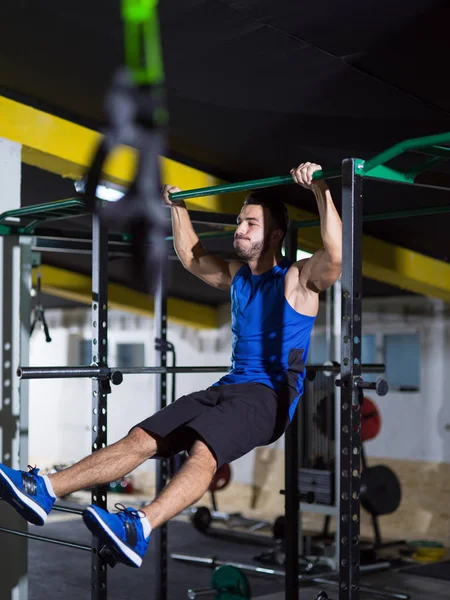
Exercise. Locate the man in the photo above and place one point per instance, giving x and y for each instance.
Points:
(274, 305)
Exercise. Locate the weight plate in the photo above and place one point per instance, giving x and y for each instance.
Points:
(231, 581)
(201, 519)
(278, 528)
(221, 478)
(370, 420)
(380, 490)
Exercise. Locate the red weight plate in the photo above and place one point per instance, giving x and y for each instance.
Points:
(221, 479)
(370, 420)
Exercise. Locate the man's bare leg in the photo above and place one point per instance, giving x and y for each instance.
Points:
(107, 464)
(185, 488)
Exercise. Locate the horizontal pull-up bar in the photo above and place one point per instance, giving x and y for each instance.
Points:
(115, 373)
(244, 186)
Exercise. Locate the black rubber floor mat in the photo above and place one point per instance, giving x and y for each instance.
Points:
(439, 570)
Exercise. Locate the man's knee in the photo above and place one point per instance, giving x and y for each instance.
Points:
(143, 441)
(203, 453)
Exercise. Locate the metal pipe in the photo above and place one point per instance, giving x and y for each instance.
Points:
(108, 372)
(400, 148)
(292, 534)
(322, 579)
(41, 538)
(162, 466)
(165, 370)
(100, 386)
(62, 372)
(368, 368)
(367, 588)
(66, 509)
(243, 186)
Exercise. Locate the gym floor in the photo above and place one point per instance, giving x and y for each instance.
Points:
(52, 567)
(416, 587)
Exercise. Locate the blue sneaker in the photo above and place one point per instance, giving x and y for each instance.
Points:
(122, 532)
(27, 493)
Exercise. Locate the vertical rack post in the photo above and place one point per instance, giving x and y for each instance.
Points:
(337, 328)
(14, 408)
(100, 388)
(162, 466)
(292, 501)
(350, 454)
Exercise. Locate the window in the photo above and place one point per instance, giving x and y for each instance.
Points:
(318, 350)
(402, 358)
(369, 355)
(131, 355)
(85, 352)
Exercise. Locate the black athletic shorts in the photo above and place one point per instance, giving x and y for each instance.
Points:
(230, 419)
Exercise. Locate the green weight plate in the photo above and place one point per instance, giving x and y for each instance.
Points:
(425, 544)
(230, 582)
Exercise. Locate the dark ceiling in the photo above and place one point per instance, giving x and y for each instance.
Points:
(253, 88)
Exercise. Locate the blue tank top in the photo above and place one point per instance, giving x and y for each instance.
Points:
(270, 338)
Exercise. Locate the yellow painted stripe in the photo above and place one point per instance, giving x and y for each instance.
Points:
(75, 286)
(65, 148)
(394, 265)
(410, 270)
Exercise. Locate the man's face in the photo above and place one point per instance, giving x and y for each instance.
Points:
(253, 234)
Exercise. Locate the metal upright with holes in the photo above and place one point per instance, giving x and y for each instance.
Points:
(14, 328)
(291, 449)
(100, 387)
(162, 466)
(350, 459)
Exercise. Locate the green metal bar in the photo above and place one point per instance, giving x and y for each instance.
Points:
(243, 186)
(443, 151)
(430, 163)
(213, 235)
(31, 211)
(31, 226)
(390, 174)
(401, 147)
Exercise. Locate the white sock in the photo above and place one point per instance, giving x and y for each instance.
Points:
(49, 486)
(147, 528)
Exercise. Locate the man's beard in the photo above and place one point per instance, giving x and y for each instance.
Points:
(252, 251)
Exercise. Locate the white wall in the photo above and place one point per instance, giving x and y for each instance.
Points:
(415, 426)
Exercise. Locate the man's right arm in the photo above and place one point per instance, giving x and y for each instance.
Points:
(212, 269)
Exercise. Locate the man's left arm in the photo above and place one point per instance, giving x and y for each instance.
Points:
(323, 268)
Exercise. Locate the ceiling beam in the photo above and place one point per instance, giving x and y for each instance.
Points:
(66, 148)
(75, 286)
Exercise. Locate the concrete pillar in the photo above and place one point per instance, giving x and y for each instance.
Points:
(434, 391)
(14, 406)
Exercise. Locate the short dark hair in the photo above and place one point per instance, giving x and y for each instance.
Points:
(277, 209)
